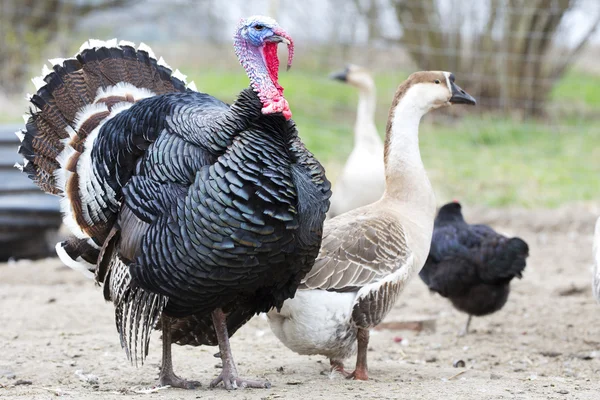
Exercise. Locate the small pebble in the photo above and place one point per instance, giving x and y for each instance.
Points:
(562, 391)
(22, 382)
(495, 377)
(397, 339)
(459, 364)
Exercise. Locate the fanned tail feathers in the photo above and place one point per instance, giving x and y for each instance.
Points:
(73, 101)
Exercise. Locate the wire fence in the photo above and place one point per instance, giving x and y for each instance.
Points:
(524, 61)
(513, 55)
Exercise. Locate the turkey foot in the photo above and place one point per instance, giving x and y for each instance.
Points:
(170, 379)
(232, 381)
(167, 377)
(360, 372)
(338, 366)
(229, 375)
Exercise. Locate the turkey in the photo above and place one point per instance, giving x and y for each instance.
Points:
(362, 180)
(472, 265)
(190, 212)
(369, 254)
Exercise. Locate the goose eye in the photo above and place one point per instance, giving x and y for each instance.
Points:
(259, 27)
(437, 81)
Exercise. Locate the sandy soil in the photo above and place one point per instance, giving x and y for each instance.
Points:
(545, 343)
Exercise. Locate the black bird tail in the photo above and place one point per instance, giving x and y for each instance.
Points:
(519, 251)
(510, 261)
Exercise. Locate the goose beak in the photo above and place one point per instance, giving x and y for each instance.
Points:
(459, 96)
(340, 75)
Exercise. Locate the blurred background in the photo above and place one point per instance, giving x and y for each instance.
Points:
(533, 65)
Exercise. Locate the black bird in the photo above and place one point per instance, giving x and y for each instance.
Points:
(187, 210)
(472, 265)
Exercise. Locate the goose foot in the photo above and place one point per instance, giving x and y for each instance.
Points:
(360, 372)
(359, 375)
(338, 366)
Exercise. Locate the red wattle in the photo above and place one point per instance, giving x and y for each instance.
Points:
(270, 55)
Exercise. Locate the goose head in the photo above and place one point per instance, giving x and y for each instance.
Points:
(416, 96)
(255, 42)
(428, 90)
(356, 76)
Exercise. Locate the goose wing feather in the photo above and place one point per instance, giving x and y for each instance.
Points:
(358, 249)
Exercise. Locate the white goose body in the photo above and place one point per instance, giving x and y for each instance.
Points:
(369, 254)
(362, 180)
(317, 322)
(596, 255)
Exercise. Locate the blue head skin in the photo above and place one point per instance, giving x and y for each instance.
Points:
(255, 43)
(258, 29)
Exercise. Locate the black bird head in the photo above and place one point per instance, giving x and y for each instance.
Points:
(449, 213)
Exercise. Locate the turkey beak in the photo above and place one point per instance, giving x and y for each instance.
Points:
(340, 75)
(459, 96)
(281, 36)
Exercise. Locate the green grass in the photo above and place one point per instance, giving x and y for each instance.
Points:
(484, 160)
(480, 159)
(578, 87)
(496, 162)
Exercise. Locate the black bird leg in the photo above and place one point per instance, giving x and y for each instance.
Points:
(229, 375)
(465, 330)
(361, 371)
(167, 376)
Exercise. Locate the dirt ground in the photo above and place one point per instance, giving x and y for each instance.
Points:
(57, 336)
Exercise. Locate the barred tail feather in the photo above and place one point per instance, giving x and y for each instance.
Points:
(74, 99)
(77, 264)
(136, 311)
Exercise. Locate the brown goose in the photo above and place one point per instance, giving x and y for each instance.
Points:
(370, 253)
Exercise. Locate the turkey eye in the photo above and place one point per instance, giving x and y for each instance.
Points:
(437, 81)
(259, 27)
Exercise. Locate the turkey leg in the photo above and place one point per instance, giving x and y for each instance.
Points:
(167, 376)
(229, 374)
(360, 372)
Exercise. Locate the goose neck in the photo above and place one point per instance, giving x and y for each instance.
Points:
(406, 178)
(364, 127)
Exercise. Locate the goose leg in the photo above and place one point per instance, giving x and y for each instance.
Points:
(229, 374)
(338, 366)
(360, 372)
(167, 376)
(465, 330)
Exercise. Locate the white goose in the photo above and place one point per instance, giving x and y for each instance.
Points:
(596, 251)
(362, 180)
(369, 254)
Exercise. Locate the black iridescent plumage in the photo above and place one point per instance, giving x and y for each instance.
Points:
(190, 205)
(472, 265)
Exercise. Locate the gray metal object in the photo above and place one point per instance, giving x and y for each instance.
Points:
(29, 218)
